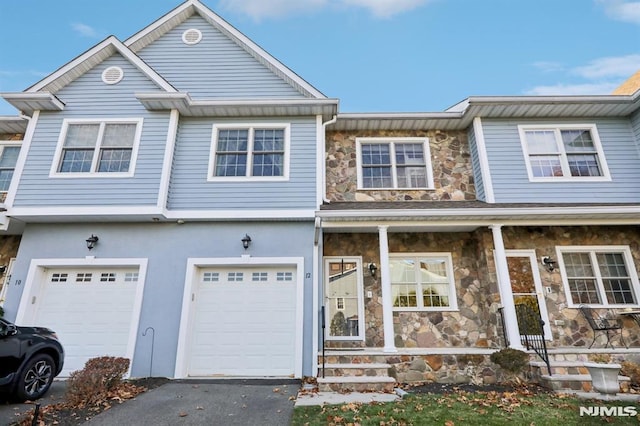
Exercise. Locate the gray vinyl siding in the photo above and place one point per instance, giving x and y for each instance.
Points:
(190, 190)
(475, 162)
(214, 68)
(509, 175)
(635, 126)
(89, 97)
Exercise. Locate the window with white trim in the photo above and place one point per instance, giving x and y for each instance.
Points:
(563, 152)
(8, 159)
(398, 163)
(97, 147)
(422, 282)
(250, 151)
(599, 276)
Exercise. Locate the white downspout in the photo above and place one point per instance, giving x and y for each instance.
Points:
(321, 161)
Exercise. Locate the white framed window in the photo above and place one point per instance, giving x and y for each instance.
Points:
(93, 147)
(599, 276)
(394, 163)
(8, 159)
(257, 151)
(563, 152)
(340, 303)
(422, 282)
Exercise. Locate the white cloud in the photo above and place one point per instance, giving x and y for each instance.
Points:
(573, 89)
(386, 8)
(548, 66)
(84, 30)
(622, 10)
(620, 66)
(259, 9)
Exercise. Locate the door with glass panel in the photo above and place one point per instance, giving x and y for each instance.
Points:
(526, 287)
(344, 307)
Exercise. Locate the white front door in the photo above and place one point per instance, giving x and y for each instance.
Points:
(343, 290)
(526, 284)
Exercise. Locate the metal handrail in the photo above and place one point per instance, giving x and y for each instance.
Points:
(323, 334)
(531, 328)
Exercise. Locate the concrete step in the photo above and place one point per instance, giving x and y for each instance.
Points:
(560, 367)
(356, 384)
(352, 370)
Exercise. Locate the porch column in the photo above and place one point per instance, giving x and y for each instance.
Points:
(506, 293)
(385, 282)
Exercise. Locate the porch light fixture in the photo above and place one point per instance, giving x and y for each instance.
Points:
(246, 241)
(549, 263)
(91, 241)
(373, 269)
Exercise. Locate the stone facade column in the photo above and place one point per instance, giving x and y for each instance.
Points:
(385, 282)
(506, 293)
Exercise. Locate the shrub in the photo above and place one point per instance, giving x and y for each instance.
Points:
(92, 384)
(631, 370)
(511, 360)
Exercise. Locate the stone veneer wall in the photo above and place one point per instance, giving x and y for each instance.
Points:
(568, 327)
(8, 249)
(474, 324)
(450, 158)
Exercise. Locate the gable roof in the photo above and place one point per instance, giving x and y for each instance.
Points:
(629, 86)
(191, 7)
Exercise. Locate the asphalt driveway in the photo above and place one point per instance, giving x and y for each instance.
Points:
(220, 402)
(188, 402)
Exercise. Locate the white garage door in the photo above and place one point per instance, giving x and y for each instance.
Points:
(89, 309)
(244, 322)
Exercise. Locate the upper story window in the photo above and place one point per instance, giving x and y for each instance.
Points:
(398, 163)
(241, 152)
(599, 276)
(422, 282)
(563, 152)
(97, 147)
(8, 160)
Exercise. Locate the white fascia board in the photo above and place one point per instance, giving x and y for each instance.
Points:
(110, 41)
(83, 211)
(240, 214)
(483, 158)
(233, 33)
(170, 144)
(483, 212)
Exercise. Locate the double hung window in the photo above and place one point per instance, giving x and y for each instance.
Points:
(563, 152)
(402, 163)
(599, 276)
(8, 160)
(422, 282)
(98, 147)
(259, 151)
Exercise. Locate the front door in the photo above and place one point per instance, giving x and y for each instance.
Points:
(526, 284)
(343, 298)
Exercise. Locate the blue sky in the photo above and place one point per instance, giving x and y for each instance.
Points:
(375, 55)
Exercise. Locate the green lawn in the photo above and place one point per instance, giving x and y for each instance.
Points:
(463, 408)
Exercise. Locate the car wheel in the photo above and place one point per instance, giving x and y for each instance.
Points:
(35, 378)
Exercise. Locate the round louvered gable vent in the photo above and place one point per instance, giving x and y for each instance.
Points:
(112, 75)
(192, 36)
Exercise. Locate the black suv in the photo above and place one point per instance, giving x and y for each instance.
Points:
(30, 357)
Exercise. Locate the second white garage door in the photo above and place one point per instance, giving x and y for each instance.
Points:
(244, 322)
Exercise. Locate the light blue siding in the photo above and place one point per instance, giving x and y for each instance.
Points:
(475, 162)
(214, 68)
(635, 126)
(89, 97)
(167, 254)
(509, 175)
(190, 190)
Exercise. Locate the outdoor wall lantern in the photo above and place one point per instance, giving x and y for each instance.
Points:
(91, 241)
(373, 269)
(246, 241)
(549, 263)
